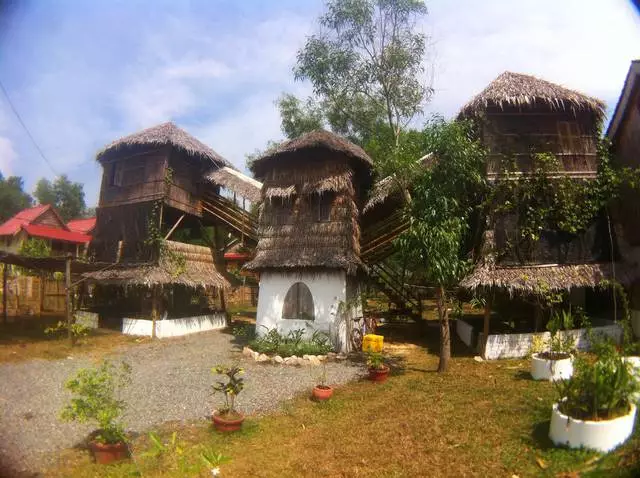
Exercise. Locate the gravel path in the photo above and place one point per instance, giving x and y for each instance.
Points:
(171, 380)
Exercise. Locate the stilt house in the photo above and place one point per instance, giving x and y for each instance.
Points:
(308, 252)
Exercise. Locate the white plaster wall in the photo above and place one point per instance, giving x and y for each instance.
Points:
(465, 332)
(175, 327)
(328, 289)
(518, 345)
(88, 319)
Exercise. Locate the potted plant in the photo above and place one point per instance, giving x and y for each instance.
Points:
(378, 371)
(227, 418)
(322, 391)
(595, 408)
(556, 363)
(95, 400)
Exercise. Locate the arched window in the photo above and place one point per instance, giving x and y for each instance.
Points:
(298, 303)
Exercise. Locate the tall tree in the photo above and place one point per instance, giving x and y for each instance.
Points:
(13, 198)
(448, 191)
(366, 66)
(66, 196)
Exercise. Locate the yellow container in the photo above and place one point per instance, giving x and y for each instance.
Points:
(372, 343)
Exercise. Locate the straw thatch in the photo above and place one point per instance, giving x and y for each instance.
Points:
(381, 190)
(529, 279)
(199, 270)
(163, 135)
(518, 90)
(315, 140)
(237, 182)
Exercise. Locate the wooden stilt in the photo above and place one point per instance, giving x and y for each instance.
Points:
(69, 305)
(5, 273)
(154, 310)
(487, 320)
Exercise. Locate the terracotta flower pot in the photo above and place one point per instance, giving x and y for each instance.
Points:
(379, 374)
(322, 392)
(224, 423)
(106, 453)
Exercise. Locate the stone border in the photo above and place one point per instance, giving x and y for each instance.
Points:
(305, 360)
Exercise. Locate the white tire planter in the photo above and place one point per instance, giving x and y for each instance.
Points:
(602, 436)
(544, 369)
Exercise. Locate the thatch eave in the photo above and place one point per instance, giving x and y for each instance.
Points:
(237, 182)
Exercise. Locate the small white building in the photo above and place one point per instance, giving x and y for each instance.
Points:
(308, 252)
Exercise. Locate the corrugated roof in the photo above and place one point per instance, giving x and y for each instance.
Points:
(24, 217)
(85, 226)
(48, 232)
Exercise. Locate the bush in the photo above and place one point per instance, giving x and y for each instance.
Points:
(95, 399)
(600, 388)
(291, 344)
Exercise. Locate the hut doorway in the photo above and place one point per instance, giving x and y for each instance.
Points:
(298, 303)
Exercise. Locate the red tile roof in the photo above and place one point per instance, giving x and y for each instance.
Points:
(85, 226)
(49, 232)
(24, 217)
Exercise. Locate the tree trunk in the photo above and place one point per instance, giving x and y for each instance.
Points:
(69, 304)
(445, 333)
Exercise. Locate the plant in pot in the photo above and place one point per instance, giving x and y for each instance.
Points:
(555, 363)
(595, 408)
(227, 418)
(96, 400)
(322, 391)
(378, 371)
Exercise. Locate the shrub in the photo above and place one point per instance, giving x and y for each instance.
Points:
(600, 388)
(231, 388)
(96, 401)
(292, 344)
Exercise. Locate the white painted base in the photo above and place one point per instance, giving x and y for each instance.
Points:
(88, 319)
(519, 345)
(543, 369)
(635, 322)
(466, 333)
(602, 436)
(328, 290)
(175, 327)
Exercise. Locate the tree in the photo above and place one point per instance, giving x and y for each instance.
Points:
(13, 198)
(366, 69)
(447, 196)
(66, 196)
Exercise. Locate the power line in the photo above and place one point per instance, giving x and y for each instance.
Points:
(15, 111)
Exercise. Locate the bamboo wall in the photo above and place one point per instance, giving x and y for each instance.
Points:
(32, 296)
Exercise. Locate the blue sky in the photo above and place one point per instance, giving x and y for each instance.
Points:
(82, 73)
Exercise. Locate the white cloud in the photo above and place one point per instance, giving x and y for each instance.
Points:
(8, 156)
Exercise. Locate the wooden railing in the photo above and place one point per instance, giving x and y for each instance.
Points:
(233, 216)
(376, 242)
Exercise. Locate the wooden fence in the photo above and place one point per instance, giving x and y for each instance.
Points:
(28, 295)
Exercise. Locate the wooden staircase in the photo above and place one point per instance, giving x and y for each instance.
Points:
(236, 218)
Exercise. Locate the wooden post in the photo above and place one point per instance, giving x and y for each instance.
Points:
(154, 310)
(5, 273)
(67, 278)
(42, 276)
(487, 320)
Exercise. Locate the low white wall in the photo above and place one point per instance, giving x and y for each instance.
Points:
(88, 319)
(518, 345)
(328, 289)
(175, 327)
(466, 333)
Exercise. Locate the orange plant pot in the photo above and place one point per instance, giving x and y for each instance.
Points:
(379, 374)
(223, 424)
(106, 453)
(322, 392)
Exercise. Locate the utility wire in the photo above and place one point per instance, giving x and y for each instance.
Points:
(15, 111)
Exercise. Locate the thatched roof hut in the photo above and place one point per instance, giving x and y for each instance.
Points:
(237, 182)
(519, 90)
(179, 264)
(313, 189)
(165, 134)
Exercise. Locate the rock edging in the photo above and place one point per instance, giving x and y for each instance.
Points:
(305, 360)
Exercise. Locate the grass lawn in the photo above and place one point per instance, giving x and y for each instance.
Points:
(480, 419)
(24, 339)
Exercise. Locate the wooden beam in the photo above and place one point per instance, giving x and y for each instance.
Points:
(69, 305)
(174, 227)
(5, 273)
(487, 320)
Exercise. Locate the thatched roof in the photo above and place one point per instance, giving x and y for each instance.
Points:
(237, 182)
(516, 89)
(199, 270)
(529, 278)
(315, 140)
(380, 191)
(167, 134)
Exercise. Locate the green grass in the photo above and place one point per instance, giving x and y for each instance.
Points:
(480, 419)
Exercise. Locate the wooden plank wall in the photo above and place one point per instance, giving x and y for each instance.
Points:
(30, 296)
